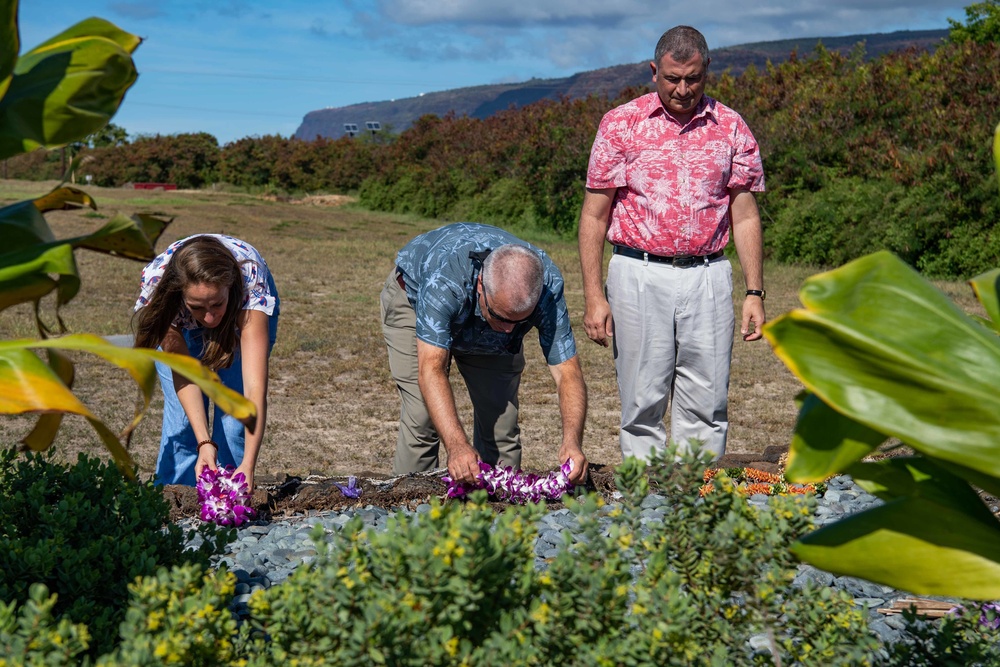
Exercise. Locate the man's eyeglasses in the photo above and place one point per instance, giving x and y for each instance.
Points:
(498, 318)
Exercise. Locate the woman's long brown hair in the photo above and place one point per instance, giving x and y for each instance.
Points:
(202, 260)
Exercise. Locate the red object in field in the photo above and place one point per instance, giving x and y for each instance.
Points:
(154, 186)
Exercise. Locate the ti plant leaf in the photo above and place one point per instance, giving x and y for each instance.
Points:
(65, 88)
(29, 385)
(932, 537)
(883, 347)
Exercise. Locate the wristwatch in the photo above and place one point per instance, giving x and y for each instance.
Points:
(757, 292)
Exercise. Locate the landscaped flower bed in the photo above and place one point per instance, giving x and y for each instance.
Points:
(750, 481)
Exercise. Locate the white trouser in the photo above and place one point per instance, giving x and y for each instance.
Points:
(673, 343)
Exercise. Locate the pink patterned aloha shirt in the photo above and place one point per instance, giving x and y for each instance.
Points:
(673, 182)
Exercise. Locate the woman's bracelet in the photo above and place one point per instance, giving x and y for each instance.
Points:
(207, 442)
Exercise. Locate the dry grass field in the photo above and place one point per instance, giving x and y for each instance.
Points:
(333, 406)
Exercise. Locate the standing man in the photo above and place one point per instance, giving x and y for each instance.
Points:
(671, 176)
(471, 292)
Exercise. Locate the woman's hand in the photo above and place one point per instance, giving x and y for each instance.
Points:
(247, 471)
(207, 452)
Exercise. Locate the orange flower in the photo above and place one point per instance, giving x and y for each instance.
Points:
(706, 489)
(762, 476)
(710, 473)
(756, 487)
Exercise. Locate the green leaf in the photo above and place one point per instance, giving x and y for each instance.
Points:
(25, 276)
(913, 544)
(10, 42)
(825, 442)
(47, 426)
(28, 385)
(883, 347)
(21, 225)
(67, 88)
(913, 476)
(133, 237)
(985, 286)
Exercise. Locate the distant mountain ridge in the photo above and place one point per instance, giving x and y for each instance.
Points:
(483, 101)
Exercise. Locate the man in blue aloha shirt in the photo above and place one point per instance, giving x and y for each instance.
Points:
(470, 292)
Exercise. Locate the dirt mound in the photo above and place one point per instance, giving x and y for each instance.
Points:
(290, 496)
(293, 496)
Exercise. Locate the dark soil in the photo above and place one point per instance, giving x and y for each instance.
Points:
(296, 496)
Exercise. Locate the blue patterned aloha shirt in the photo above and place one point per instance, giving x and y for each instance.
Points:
(257, 296)
(440, 273)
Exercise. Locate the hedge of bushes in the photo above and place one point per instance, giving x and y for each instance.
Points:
(710, 584)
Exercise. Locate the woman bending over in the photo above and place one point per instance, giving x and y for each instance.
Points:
(211, 297)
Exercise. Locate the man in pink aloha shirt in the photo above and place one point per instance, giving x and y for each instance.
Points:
(671, 175)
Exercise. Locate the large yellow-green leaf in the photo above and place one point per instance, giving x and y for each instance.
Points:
(66, 88)
(47, 426)
(133, 237)
(986, 288)
(87, 28)
(64, 198)
(825, 442)
(912, 544)
(923, 477)
(880, 345)
(28, 385)
(10, 42)
(31, 269)
(22, 224)
(27, 275)
(139, 363)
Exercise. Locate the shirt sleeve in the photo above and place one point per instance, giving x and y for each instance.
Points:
(555, 335)
(748, 171)
(606, 168)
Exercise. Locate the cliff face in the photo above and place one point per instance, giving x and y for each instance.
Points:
(483, 101)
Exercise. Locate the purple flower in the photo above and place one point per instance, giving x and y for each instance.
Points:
(224, 497)
(989, 615)
(352, 490)
(515, 486)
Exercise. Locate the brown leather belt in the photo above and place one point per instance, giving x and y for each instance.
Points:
(399, 279)
(679, 261)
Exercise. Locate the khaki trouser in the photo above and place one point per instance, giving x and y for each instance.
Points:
(673, 343)
(492, 382)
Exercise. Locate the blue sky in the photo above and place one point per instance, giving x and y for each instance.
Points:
(237, 68)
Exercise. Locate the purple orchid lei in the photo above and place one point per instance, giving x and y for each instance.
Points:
(352, 490)
(989, 614)
(515, 486)
(224, 497)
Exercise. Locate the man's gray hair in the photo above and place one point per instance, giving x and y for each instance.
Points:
(517, 271)
(681, 43)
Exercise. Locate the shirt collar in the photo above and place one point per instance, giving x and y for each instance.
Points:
(653, 105)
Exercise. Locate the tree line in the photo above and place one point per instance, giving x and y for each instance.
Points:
(893, 153)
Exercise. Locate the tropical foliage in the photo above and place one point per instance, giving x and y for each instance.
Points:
(884, 354)
(62, 91)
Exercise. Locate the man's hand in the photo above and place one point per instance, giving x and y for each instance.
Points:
(593, 228)
(463, 464)
(597, 322)
(753, 318)
(578, 475)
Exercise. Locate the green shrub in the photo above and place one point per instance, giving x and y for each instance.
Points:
(957, 640)
(29, 635)
(86, 532)
(459, 586)
(178, 617)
